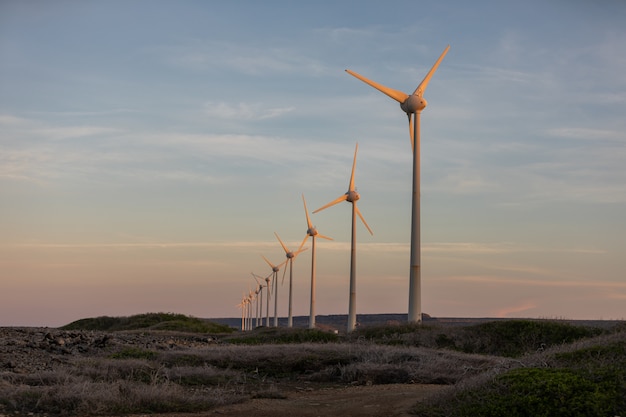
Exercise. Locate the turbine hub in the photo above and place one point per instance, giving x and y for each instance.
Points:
(414, 104)
(352, 196)
(290, 255)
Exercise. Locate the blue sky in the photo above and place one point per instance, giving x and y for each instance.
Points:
(150, 149)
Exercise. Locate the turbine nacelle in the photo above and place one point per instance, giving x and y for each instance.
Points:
(413, 104)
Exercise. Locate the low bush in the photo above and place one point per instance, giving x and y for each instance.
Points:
(153, 321)
(586, 378)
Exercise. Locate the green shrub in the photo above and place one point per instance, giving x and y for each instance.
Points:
(154, 321)
(514, 338)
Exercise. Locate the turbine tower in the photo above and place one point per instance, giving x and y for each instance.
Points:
(351, 196)
(275, 269)
(291, 256)
(312, 232)
(412, 105)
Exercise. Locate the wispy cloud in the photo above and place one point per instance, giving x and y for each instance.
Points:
(586, 133)
(505, 311)
(202, 55)
(244, 111)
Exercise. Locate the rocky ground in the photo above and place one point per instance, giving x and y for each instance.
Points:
(28, 350)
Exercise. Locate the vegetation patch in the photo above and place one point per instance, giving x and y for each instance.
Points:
(152, 321)
(134, 353)
(514, 338)
(275, 335)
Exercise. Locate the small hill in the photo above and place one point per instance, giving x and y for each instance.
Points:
(149, 321)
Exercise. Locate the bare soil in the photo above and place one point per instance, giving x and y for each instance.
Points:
(393, 400)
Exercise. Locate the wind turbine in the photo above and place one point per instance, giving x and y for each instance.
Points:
(259, 291)
(243, 305)
(275, 269)
(269, 290)
(312, 232)
(351, 196)
(251, 297)
(412, 105)
(291, 256)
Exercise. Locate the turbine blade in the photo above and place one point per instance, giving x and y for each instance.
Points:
(324, 237)
(398, 96)
(255, 277)
(283, 281)
(362, 219)
(268, 262)
(351, 185)
(303, 242)
(281, 243)
(308, 220)
(419, 91)
(332, 203)
(412, 132)
(298, 252)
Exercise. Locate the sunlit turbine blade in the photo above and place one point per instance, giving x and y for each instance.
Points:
(304, 240)
(283, 280)
(281, 243)
(255, 277)
(332, 203)
(362, 219)
(412, 132)
(298, 252)
(302, 244)
(268, 262)
(306, 211)
(351, 185)
(398, 96)
(324, 237)
(422, 87)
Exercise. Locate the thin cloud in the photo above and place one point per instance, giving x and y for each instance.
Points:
(586, 133)
(203, 55)
(506, 311)
(564, 283)
(244, 111)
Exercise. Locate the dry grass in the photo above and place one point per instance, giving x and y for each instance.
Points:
(134, 378)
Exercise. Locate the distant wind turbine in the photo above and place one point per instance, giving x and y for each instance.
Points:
(312, 233)
(267, 302)
(259, 291)
(412, 105)
(244, 311)
(275, 269)
(291, 256)
(351, 196)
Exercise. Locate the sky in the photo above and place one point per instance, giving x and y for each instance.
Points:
(150, 149)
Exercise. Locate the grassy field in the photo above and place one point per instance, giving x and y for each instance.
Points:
(505, 367)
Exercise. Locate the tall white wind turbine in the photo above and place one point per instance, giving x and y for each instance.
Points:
(275, 269)
(312, 232)
(351, 196)
(412, 105)
(291, 256)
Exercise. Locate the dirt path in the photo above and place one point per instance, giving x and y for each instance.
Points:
(362, 401)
